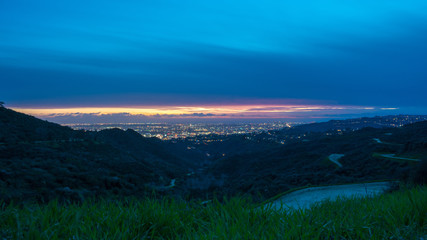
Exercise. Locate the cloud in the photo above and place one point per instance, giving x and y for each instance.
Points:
(65, 118)
(225, 112)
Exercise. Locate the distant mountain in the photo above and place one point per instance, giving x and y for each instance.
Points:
(357, 123)
(141, 147)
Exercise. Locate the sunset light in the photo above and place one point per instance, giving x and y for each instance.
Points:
(205, 112)
(213, 119)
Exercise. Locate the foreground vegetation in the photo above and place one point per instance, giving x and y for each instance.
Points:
(397, 215)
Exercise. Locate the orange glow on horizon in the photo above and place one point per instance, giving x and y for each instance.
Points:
(227, 111)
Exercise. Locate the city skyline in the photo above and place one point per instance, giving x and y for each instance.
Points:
(214, 131)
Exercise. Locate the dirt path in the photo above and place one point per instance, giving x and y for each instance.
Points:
(303, 199)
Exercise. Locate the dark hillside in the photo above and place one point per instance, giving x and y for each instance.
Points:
(413, 136)
(42, 160)
(298, 164)
(141, 147)
(356, 124)
(17, 127)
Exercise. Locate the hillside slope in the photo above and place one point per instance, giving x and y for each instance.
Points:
(42, 160)
(276, 170)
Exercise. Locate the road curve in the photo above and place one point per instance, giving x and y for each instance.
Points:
(335, 157)
(303, 199)
(392, 156)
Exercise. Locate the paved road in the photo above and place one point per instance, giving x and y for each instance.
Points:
(392, 156)
(303, 199)
(335, 157)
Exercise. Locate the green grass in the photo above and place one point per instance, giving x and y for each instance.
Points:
(397, 215)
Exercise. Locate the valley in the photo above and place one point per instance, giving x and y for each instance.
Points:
(127, 178)
(305, 198)
(42, 160)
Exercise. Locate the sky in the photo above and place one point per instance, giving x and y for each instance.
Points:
(68, 60)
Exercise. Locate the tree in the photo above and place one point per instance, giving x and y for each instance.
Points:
(1, 104)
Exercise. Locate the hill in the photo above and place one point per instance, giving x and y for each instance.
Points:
(357, 123)
(300, 163)
(42, 160)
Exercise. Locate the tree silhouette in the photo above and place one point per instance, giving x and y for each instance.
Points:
(1, 104)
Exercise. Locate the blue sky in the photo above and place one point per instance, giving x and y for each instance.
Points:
(134, 53)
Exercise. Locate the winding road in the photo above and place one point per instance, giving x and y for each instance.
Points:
(303, 199)
(392, 156)
(335, 157)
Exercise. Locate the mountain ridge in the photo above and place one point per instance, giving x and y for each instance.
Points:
(42, 161)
